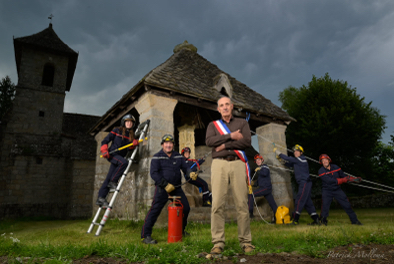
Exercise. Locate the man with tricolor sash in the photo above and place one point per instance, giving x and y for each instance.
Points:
(229, 137)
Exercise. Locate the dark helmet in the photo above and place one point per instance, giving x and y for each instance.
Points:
(185, 149)
(324, 156)
(167, 138)
(127, 117)
(258, 156)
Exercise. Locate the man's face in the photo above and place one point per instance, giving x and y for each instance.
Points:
(186, 154)
(167, 146)
(297, 153)
(225, 107)
(325, 162)
(128, 124)
(259, 161)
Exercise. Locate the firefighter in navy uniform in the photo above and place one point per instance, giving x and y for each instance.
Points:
(165, 170)
(119, 136)
(332, 177)
(199, 183)
(265, 187)
(301, 174)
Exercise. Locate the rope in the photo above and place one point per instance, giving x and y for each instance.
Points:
(316, 161)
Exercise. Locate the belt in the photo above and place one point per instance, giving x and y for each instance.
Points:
(228, 158)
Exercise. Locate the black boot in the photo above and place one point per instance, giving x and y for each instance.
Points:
(102, 202)
(185, 234)
(324, 221)
(357, 223)
(149, 240)
(251, 215)
(112, 186)
(207, 204)
(316, 221)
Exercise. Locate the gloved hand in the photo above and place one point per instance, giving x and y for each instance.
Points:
(135, 143)
(193, 175)
(167, 186)
(277, 152)
(104, 151)
(342, 180)
(250, 189)
(354, 179)
(257, 169)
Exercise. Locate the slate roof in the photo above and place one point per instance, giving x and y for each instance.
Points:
(48, 40)
(189, 73)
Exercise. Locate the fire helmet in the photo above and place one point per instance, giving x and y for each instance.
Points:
(127, 117)
(185, 149)
(167, 138)
(258, 156)
(298, 147)
(324, 156)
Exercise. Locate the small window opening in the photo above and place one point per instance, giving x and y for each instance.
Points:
(48, 75)
(39, 160)
(41, 113)
(223, 92)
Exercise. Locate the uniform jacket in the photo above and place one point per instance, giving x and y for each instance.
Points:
(168, 168)
(115, 137)
(329, 177)
(264, 177)
(190, 163)
(300, 165)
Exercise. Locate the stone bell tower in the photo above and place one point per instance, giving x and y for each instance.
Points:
(33, 165)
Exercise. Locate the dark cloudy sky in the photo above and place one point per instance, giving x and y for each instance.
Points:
(268, 45)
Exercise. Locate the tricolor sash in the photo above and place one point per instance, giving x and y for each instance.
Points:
(223, 130)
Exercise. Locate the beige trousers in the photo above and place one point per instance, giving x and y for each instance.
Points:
(223, 174)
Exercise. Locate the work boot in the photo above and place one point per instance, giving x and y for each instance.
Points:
(207, 204)
(293, 223)
(324, 221)
(185, 234)
(251, 216)
(149, 240)
(316, 221)
(102, 202)
(112, 186)
(274, 221)
(357, 223)
(248, 248)
(216, 250)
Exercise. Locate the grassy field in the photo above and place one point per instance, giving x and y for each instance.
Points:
(62, 241)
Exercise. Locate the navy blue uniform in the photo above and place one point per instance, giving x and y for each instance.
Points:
(199, 183)
(118, 163)
(301, 173)
(169, 169)
(265, 189)
(331, 189)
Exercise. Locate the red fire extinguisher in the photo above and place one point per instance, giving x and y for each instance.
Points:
(175, 216)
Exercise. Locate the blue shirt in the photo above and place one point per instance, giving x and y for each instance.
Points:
(300, 165)
(264, 177)
(329, 177)
(168, 168)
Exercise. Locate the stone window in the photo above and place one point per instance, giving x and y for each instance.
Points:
(48, 75)
(38, 160)
(41, 113)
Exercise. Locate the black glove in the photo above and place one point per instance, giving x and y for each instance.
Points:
(163, 183)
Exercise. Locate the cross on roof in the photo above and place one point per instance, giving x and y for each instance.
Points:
(50, 18)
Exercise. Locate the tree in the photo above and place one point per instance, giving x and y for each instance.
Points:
(7, 94)
(333, 119)
(383, 163)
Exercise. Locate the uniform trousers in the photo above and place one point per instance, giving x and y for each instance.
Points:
(160, 199)
(118, 166)
(340, 196)
(267, 193)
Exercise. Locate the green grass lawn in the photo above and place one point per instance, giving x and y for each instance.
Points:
(66, 240)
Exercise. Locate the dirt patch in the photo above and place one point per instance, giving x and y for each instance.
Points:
(360, 254)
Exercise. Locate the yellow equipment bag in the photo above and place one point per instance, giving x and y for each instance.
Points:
(282, 215)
